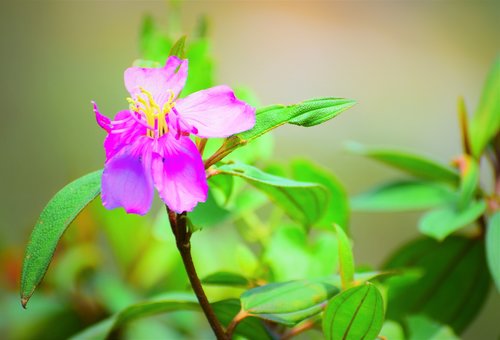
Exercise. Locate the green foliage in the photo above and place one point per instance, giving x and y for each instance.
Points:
(53, 221)
(421, 327)
(485, 123)
(346, 258)
(442, 222)
(356, 313)
(403, 195)
(288, 303)
(302, 201)
(226, 279)
(413, 164)
(452, 288)
(493, 248)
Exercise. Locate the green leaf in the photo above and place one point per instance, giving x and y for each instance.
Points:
(346, 258)
(208, 213)
(292, 255)
(177, 49)
(453, 286)
(53, 221)
(493, 247)
(226, 279)
(392, 331)
(413, 164)
(403, 195)
(485, 123)
(288, 303)
(357, 313)
(302, 201)
(421, 327)
(337, 209)
(442, 222)
(307, 113)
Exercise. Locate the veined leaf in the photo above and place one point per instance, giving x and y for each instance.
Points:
(493, 248)
(413, 164)
(53, 221)
(442, 222)
(303, 201)
(307, 113)
(356, 313)
(337, 210)
(346, 258)
(403, 195)
(288, 303)
(485, 123)
(453, 287)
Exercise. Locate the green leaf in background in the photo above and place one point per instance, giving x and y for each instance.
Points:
(485, 123)
(302, 201)
(421, 327)
(442, 222)
(153, 44)
(226, 279)
(292, 255)
(463, 121)
(53, 221)
(403, 195)
(307, 113)
(337, 209)
(178, 49)
(288, 303)
(346, 258)
(413, 164)
(469, 179)
(493, 248)
(357, 313)
(208, 213)
(453, 287)
(392, 331)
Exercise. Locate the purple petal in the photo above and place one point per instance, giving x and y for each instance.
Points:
(216, 112)
(158, 81)
(127, 180)
(179, 174)
(124, 131)
(103, 121)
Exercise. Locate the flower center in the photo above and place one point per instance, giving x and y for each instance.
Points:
(150, 111)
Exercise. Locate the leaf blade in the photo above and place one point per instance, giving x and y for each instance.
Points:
(493, 248)
(55, 218)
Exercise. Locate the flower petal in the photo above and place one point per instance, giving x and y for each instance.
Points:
(101, 119)
(127, 180)
(179, 174)
(216, 112)
(158, 81)
(124, 130)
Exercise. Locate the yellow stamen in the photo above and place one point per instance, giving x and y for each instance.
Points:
(151, 111)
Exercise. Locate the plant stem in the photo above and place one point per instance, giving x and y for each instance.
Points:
(182, 240)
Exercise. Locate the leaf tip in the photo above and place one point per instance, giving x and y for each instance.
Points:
(24, 301)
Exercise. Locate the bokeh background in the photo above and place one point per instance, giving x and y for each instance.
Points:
(405, 62)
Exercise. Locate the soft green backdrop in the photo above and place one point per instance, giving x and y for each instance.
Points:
(405, 62)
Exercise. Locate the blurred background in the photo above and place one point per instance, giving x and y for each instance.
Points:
(404, 62)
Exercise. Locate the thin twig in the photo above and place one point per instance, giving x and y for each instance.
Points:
(236, 320)
(182, 240)
(298, 329)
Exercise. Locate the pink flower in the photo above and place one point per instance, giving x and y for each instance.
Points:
(148, 145)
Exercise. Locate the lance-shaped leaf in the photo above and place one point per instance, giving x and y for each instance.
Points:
(413, 164)
(53, 221)
(485, 123)
(178, 49)
(346, 258)
(453, 286)
(442, 222)
(302, 201)
(493, 248)
(307, 113)
(226, 279)
(288, 303)
(356, 313)
(403, 195)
